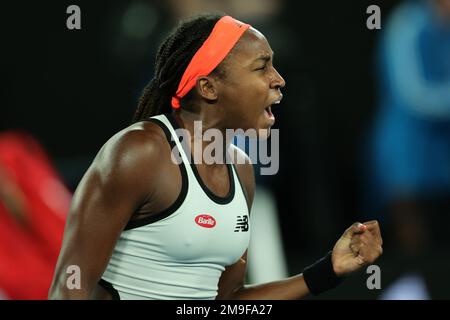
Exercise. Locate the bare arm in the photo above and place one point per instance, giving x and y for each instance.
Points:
(120, 179)
(358, 246)
(231, 286)
(231, 283)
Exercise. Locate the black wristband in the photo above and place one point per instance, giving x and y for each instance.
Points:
(320, 276)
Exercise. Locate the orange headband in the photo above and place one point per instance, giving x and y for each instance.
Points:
(222, 39)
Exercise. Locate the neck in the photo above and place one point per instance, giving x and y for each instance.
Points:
(198, 123)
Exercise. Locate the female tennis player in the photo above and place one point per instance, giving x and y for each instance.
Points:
(142, 226)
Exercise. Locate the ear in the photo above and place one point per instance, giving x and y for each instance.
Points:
(207, 88)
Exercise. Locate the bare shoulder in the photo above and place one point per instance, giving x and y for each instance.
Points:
(130, 159)
(244, 169)
(140, 144)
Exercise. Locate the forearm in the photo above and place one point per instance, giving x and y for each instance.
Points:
(315, 279)
(64, 293)
(96, 293)
(287, 289)
(66, 287)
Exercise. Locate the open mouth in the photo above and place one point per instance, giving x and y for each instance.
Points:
(268, 110)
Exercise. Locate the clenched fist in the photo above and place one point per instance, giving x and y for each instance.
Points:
(361, 244)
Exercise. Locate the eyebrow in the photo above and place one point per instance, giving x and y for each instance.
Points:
(265, 57)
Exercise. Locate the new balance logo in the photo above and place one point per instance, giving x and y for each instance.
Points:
(241, 224)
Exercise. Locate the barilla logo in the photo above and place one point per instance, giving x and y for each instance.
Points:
(205, 221)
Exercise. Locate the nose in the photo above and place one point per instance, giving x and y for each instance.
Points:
(277, 81)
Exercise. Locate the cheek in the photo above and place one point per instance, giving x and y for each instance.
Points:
(254, 94)
(246, 106)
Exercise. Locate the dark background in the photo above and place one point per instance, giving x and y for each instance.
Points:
(73, 89)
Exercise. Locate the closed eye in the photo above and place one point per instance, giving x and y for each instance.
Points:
(262, 68)
(265, 59)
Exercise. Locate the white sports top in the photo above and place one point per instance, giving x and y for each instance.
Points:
(181, 252)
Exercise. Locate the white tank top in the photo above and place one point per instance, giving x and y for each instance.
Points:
(181, 252)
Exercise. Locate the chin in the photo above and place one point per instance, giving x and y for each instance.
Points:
(262, 128)
(264, 134)
(259, 129)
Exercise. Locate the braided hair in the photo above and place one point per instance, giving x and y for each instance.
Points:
(172, 59)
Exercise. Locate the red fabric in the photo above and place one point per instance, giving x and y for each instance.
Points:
(28, 253)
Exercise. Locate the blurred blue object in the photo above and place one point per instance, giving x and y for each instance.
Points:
(410, 143)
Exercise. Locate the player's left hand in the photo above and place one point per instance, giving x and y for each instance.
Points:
(360, 245)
